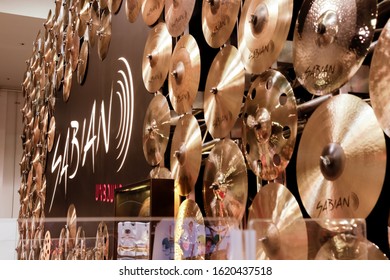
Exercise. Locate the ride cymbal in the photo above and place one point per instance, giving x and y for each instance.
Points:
(341, 152)
(177, 15)
(104, 34)
(151, 10)
(133, 8)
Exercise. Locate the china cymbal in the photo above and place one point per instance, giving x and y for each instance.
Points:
(225, 182)
(133, 8)
(104, 34)
(341, 152)
(277, 219)
(262, 32)
(186, 154)
(151, 10)
(331, 40)
(270, 121)
(183, 81)
(177, 15)
(156, 129)
(224, 92)
(218, 20)
(160, 173)
(67, 83)
(114, 5)
(157, 56)
(51, 133)
(83, 62)
(71, 223)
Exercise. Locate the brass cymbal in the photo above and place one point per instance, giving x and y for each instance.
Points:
(103, 4)
(177, 15)
(59, 71)
(331, 40)
(277, 219)
(114, 5)
(102, 242)
(157, 56)
(133, 7)
(104, 34)
(186, 154)
(183, 81)
(93, 23)
(51, 133)
(224, 92)
(262, 32)
(46, 249)
(156, 129)
(160, 173)
(83, 62)
(218, 20)
(341, 152)
(225, 181)
(151, 10)
(190, 234)
(67, 83)
(71, 223)
(270, 121)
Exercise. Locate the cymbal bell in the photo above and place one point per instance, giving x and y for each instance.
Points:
(83, 62)
(151, 10)
(133, 7)
(177, 15)
(104, 34)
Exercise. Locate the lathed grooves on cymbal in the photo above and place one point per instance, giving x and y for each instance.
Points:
(224, 92)
(184, 77)
(280, 228)
(177, 15)
(270, 121)
(104, 34)
(133, 8)
(83, 62)
(186, 154)
(225, 182)
(331, 40)
(151, 10)
(341, 159)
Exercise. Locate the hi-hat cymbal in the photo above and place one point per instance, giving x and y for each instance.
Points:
(156, 130)
(104, 34)
(331, 40)
(277, 219)
(218, 20)
(341, 152)
(270, 122)
(51, 133)
(183, 81)
(83, 62)
(114, 5)
(186, 154)
(156, 59)
(151, 10)
(224, 91)
(263, 30)
(177, 15)
(225, 182)
(133, 8)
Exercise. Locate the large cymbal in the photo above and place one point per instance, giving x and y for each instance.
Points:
(133, 8)
(342, 151)
(224, 91)
(277, 219)
(225, 182)
(177, 15)
(104, 34)
(263, 30)
(183, 81)
(331, 40)
(186, 154)
(156, 59)
(156, 130)
(151, 10)
(270, 121)
(83, 62)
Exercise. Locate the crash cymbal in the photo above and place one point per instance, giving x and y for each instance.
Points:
(104, 34)
(156, 129)
(51, 133)
(183, 81)
(186, 154)
(277, 219)
(71, 223)
(177, 15)
(114, 5)
(331, 40)
(270, 121)
(224, 91)
(67, 83)
(48, 24)
(151, 10)
(190, 232)
(262, 32)
(218, 20)
(225, 182)
(83, 62)
(160, 173)
(93, 23)
(133, 8)
(84, 18)
(156, 59)
(341, 152)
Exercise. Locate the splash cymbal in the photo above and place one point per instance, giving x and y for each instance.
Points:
(341, 152)
(183, 81)
(277, 219)
(151, 10)
(177, 15)
(331, 40)
(224, 92)
(114, 5)
(51, 133)
(133, 7)
(104, 34)
(186, 154)
(83, 62)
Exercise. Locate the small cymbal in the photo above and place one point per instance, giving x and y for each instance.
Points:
(277, 219)
(104, 34)
(151, 10)
(183, 81)
(186, 154)
(67, 83)
(133, 7)
(177, 15)
(51, 133)
(83, 62)
(341, 152)
(114, 5)
(224, 92)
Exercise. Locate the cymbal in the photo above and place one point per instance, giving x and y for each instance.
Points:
(183, 81)
(104, 34)
(160, 173)
(190, 234)
(341, 152)
(224, 92)
(71, 224)
(67, 83)
(269, 125)
(157, 56)
(59, 71)
(51, 133)
(277, 219)
(379, 78)
(114, 5)
(133, 8)
(186, 154)
(177, 15)
(331, 40)
(262, 32)
(83, 62)
(151, 10)
(103, 4)
(218, 20)
(93, 23)
(72, 47)
(46, 249)
(225, 181)
(156, 129)
(102, 242)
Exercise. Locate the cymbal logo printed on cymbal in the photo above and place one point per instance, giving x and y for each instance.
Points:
(151, 10)
(177, 15)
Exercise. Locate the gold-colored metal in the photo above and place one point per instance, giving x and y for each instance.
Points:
(133, 7)
(160, 173)
(104, 34)
(67, 83)
(177, 15)
(93, 23)
(46, 249)
(151, 10)
(103, 4)
(114, 5)
(71, 224)
(102, 242)
(83, 62)
(51, 133)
